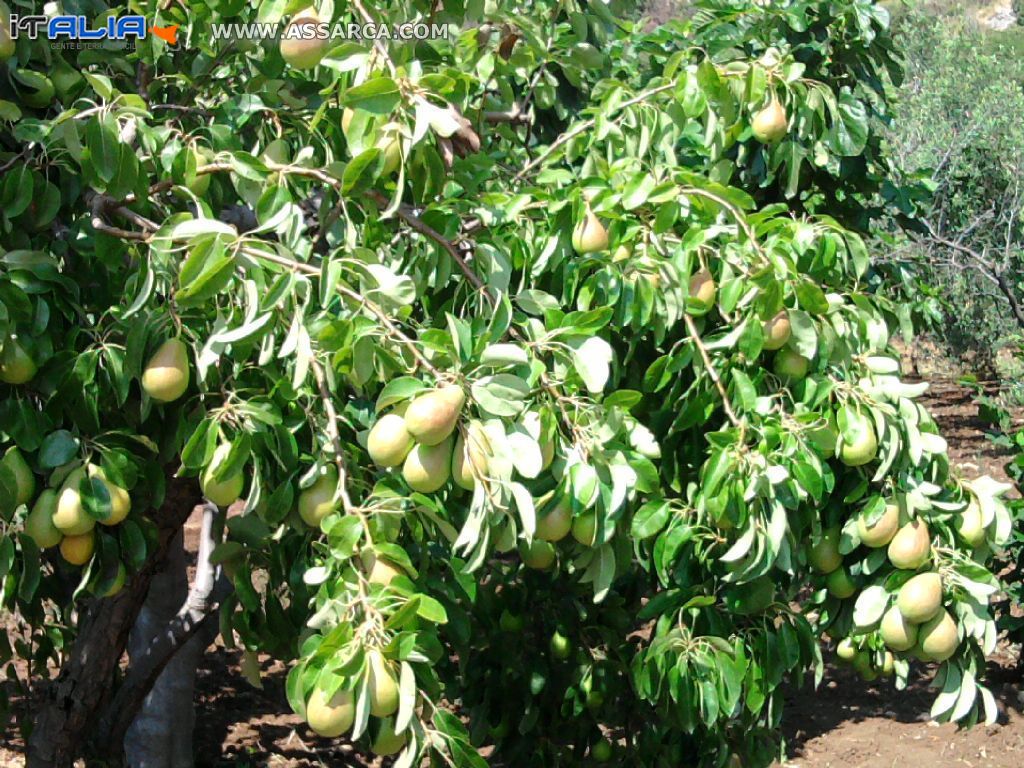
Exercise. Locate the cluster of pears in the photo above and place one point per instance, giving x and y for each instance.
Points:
(419, 437)
(334, 716)
(58, 516)
(554, 524)
(301, 50)
(917, 623)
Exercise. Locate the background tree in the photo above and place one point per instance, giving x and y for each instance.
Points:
(540, 360)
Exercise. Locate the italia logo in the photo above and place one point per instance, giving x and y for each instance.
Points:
(81, 28)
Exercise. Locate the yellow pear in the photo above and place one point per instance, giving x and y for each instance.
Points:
(428, 467)
(78, 549)
(432, 417)
(16, 365)
(939, 637)
(166, 375)
(389, 442)
(969, 525)
(299, 47)
(383, 688)
(390, 143)
(911, 547)
(555, 525)
(39, 523)
(24, 480)
(589, 236)
(879, 533)
(379, 570)
(920, 598)
(331, 718)
(317, 501)
(702, 291)
(897, 633)
(224, 492)
(770, 124)
(863, 449)
(346, 119)
(469, 460)
(387, 742)
(71, 517)
(120, 499)
(777, 331)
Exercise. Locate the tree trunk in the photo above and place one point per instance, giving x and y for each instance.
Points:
(72, 701)
(173, 630)
(160, 736)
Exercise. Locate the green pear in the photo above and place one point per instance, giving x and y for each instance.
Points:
(939, 637)
(317, 501)
(39, 523)
(224, 492)
(389, 442)
(777, 331)
(428, 467)
(78, 550)
(331, 718)
(897, 633)
(911, 547)
(920, 598)
(469, 460)
(16, 365)
(383, 687)
(589, 236)
(770, 124)
(24, 480)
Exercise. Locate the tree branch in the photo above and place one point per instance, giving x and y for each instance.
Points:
(695, 335)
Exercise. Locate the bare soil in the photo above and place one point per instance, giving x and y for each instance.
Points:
(844, 723)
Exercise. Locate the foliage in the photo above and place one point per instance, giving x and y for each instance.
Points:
(958, 126)
(320, 287)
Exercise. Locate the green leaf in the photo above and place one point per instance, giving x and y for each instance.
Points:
(650, 519)
(379, 96)
(58, 448)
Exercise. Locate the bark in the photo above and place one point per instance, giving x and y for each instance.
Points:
(72, 701)
(165, 648)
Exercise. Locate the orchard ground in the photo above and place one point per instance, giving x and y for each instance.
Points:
(845, 723)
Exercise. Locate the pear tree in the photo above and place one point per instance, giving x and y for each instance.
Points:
(528, 378)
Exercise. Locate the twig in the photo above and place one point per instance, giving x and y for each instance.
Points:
(375, 310)
(406, 214)
(334, 434)
(691, 327)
